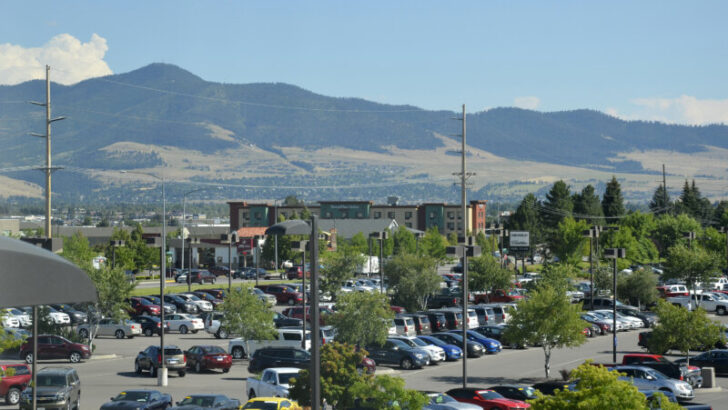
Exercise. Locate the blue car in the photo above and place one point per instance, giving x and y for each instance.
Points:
(492, 346)
(452, 352)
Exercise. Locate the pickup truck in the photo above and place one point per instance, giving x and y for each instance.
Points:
(240, 348)
(706, 301)
(274, 382)
(690, 374)
(14, 378)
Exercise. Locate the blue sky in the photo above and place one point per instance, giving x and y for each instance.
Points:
(656, 60)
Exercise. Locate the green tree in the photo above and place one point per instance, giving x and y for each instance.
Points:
(612, 201)
(246, 316)
(358, 243)
(362, 318)
(284, 248)
(527, 218)
(670, 230)
(144, 256)
(388, 392)
(488, 244)
(720, 214)
(485, 274)
(587, 206)
(691, 265)
(597, 388)
(682, 330)
(338, 267)
(639, 288)
(660, 203)
(557, 206)
(715, 242)
(76, 249)
(412, 279)
(527, 324)
(404, 241)
(692, 203)
(434, 245)
(113, 288)
(452, 238)
(567, 241)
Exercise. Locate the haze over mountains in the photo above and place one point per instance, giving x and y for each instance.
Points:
(165, 120)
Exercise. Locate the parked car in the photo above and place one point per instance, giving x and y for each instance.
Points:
(183, 323)
(436, 353)
(297, 313)
(216, 293)
(283, 294)
(648, 318)
(515, 391)
(452, 352)
(57, 387)
(77, 316)
(202, 305)
(422, 323)
(139, 400)
(491, 346)
(475, 349)
(441, 401)
(201, 276)
(111, 327)
(149, 360)
(717, 359)
(670, 369)
(286, 337)
(651, 379)
(487, 399)
(453, 317)
(208, 357)
(271, 403)
(438, 322)
(445, 297)
(140, 306)
(486, 315)
(397, 352)
(499, 296)
(54, 347)
(183, 305)
(12, 386)
(13, 317)
(151, 325)
(274, 382)
(281, 320)
(405, 326)
(207, 401)
(219, 270)
(268, 357)
(209, 298)
(169, 308)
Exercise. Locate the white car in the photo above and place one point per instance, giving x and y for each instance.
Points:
(183, 323)
(23, 318)
(202, 305)
(630, 321)
(59, 318)
(8, 321)
(437, 354)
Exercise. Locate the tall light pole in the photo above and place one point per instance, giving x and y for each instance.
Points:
(230, 238)
(162, 377)
(182, 235)
(614, 253)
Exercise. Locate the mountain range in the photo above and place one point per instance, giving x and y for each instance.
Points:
(267, 140)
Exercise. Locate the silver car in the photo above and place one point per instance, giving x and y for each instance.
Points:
(646, 378)
(111, 327)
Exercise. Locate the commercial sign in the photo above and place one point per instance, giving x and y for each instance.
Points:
(520, 241)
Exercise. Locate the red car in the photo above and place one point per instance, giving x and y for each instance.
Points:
(54, 347)
(284, 294)
(141, 306)
(297, 313)
(487, 399)
(208, 357)
(11, 386)
(498, 296)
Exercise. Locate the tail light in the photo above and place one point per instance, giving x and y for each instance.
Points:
(159, 358)
(159, 324)
(456, 323)
(184, 358)
(405, 328)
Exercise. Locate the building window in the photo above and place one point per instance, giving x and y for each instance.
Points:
(450, 226)
(359, 215)
(328, 215)
(408, 224)
(432, 215)
(450, 215)
(258, 215)
(460, 227)
(390, 215)
(377, 215)
(246, 216)
(408, 215)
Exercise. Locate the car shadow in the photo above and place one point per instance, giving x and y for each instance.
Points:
(491, 381)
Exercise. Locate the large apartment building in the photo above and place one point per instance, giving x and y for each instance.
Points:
(447, 217)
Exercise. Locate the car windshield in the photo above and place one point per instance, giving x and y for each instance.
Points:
(153, 299)
(419, 342)
(456, 337)
(214, 350)
(202, 401)
(285, 378)
(45, 380)
(140, 396)
(15, 311)
(262, 405)
(657, 375)
(193, 297)
(408, 342)
(489, 394)
(440, 398)
(435, 341)
(258, 291)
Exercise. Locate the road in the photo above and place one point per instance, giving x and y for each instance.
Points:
(112, 369)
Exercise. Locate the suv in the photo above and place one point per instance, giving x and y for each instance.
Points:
(54, 347)
(422, 323)
(12, 384)
(140, 306)
(268, 357)
(405, 326)
(202, 276)
(58, 388)
(283, 293)
(438, 322)
(150, 358)
(221, 271)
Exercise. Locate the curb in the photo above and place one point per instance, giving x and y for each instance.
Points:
(387, 370)
(104, 357)
(715, 389)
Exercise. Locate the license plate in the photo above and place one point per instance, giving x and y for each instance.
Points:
(172, 361)
(219, 359)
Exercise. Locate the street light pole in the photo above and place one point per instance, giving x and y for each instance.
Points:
(614, 253)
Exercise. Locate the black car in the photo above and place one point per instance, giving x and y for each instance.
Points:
(77, 317)
(453, 318)
(169, 308)
(268, 357)
(151, 325)
(398, 353)
(181, 304)
(139, 399)
(717, 359)
(284, 321)
(649, 318)
(207, 401)
(438, 323)
(445, 297)
(515, 391)
(201, 276)
(475, 349)
(496, 332)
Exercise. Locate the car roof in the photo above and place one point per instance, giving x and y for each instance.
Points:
(57, 369)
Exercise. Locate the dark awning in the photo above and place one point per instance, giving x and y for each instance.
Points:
(30, 275)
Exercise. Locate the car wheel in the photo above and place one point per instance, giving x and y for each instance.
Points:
(119, 334)
(83, 333)
(148, 332)
(137, 368)
(198, 368)
(153, 371)
(183, 329)
(13, 396)
(720, 310)
(406, 363)
(226, 370)
(74, 357)
(238, 352)
(182, 373)
(68, 405)
(29, 358)
(251, 394)
(223, 333)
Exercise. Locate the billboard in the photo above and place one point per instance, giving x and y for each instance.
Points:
(520, 241)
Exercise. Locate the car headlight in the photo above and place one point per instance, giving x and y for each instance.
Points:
(419, 355)
(60, 395)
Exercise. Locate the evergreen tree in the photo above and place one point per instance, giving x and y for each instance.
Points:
(660, 203)
(527, 218)
(558, 205)
(613, 202)
(587, 206)
(720, 214)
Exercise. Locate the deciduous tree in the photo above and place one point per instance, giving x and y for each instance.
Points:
(246, 316)
(338, 267)
(485, 274)
(362, 318)
(404, 241)
(567, 241)
(639, 288)
(434, 245)
(412, 279)
(691, 265)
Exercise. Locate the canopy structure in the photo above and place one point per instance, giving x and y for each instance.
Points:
(31, 275)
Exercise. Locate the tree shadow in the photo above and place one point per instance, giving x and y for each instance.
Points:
(491, 380)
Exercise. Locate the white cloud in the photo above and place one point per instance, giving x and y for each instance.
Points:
(71, 60)
(682, 110)
(527, 103)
